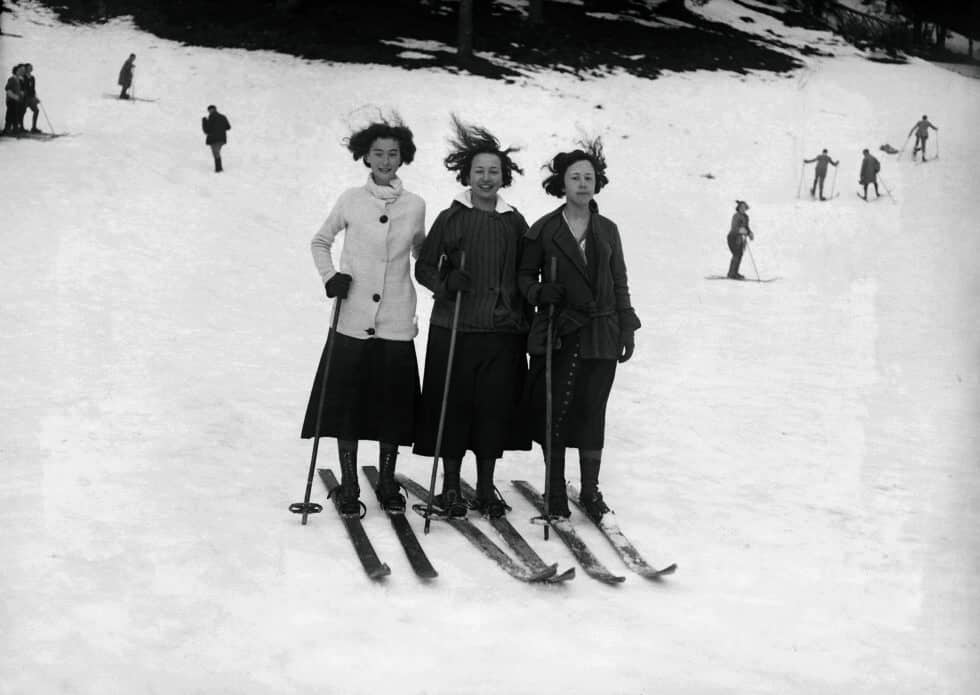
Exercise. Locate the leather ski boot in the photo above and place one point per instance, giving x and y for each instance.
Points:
(349, 490)
(589, 497)
(389, 491)
(488, 500)
(450, 503)
(557, 494)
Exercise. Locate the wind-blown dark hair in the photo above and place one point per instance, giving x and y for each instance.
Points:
(471, 140)
(359, 143)
(591, 151)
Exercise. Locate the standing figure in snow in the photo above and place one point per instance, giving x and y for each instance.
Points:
(14, 89)
(215, 127)
(738, 237)
(489, 364)
(373, 384)
(594, 321)
(822, 160)
(869, 173)
(921, 130)
(30, 97)
(126, 75)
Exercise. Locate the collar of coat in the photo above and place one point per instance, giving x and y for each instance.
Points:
(553, 220)
(466, 198)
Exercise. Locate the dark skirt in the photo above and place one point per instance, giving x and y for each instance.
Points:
(372, 391)
(485, 390)
(580, 390)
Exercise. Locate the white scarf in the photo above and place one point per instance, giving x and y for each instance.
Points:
(386, 193)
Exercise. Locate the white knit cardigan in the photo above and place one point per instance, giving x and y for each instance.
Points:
(382, 225)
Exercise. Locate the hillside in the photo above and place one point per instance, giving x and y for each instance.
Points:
(804, 449)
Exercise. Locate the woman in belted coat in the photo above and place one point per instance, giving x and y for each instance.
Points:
(373, 384)
(593, 326)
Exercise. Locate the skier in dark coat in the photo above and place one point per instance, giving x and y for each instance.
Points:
(215, 127)
(593, 325)
(869, 173)
(126, 76)
(13, 120)
(489, 363)
(373, 383)
(822, 160)
(921, 130)
(738, 235)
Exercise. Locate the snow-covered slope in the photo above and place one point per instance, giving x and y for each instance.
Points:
(805, 449)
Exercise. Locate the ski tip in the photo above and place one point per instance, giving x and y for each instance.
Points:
(665, 572)
(380, 572)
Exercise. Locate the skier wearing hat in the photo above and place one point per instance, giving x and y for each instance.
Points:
(921, 130)
(738, 236)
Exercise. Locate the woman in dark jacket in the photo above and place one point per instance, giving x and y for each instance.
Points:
(489, 364)
(593, 325)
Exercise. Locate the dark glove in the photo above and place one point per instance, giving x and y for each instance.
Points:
(626, 346)
(751, 236)
(550, 293)
(458, 281)
(339, 285)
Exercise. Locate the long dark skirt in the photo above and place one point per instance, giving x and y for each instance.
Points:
(580, 390)
(485, 390)
(372, 391)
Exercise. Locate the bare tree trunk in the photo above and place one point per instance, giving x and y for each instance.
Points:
(940, 37)
(464, 54)
(535, 13)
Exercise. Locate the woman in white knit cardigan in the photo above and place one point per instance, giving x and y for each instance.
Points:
(373, 385)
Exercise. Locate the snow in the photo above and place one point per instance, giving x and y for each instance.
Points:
(804, 449)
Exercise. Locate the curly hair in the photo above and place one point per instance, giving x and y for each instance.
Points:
(359, 143)
(590, 151)
(471, 140)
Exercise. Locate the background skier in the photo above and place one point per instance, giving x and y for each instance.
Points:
(869, 173)
(822, 160)
(921, 130)
(738, 235)
(126, 75)
(374, 376)
(215, 127)
(13, 122)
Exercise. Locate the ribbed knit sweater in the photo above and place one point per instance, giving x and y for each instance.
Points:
(492, 242)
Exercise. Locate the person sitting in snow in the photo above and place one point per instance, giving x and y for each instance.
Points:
(215, 127)
(869, 173)
(822, 160)
(489, 364)
(126, 75)
(594, 322)
(738, 235)
(373, 384)
(921, 130)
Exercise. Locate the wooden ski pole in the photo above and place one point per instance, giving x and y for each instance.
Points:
(305, 507)
(548, 403)
(751, 258)
(445, 398)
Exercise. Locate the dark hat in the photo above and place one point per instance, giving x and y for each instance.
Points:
(864, 151)
(825, 150)
(212, 106)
